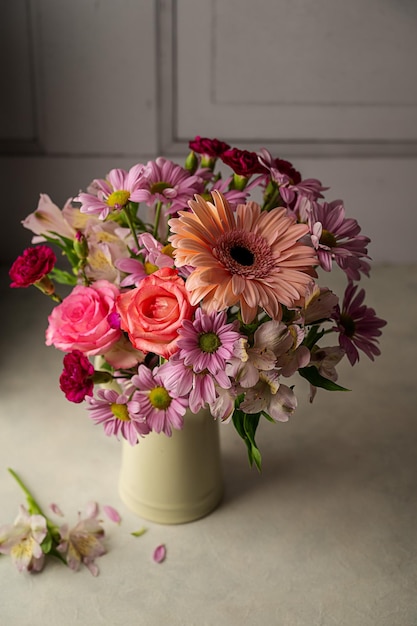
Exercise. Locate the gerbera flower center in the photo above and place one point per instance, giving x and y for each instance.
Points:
(159, 398)
(159, 187)
(209, 342)
(245, 253)
(120, 411)
(118, 199)
(328, 239)
(348, 324)
(242, 255)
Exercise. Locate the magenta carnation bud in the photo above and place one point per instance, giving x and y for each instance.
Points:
(76, 380)
(32, 266)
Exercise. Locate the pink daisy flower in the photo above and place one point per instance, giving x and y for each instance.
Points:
(358, 325)
(207, 341)
(118, 415)
(169, 183)
(163, 408)
(114, 193)
(200, 388)
(336, 237)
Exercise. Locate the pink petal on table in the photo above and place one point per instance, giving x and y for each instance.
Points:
(111, 513)
(159, 554)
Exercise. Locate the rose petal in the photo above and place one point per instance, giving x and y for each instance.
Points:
(159, 554)
(111, 513)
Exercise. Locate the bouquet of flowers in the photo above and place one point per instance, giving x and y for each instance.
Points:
(197, 286)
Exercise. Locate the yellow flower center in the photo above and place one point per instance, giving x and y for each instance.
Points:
(209, 342)
(118, 199)
(120, 411)
(168, 250)
(150, 268)
(160, 398)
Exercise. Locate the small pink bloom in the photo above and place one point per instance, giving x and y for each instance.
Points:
(83, 543)
(159, 554)
(33, 265)
(80, 322)
(22, 540)
(76, 380)
(152, 313)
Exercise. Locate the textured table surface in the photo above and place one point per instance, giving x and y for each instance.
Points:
(325, 536)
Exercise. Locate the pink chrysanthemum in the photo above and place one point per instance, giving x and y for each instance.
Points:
(118, 415)
(119, 188)
(163, 409)
(358, 325)
(252, 258)
(169, 183)
(200, 388)
(336, 237)
(207, 342)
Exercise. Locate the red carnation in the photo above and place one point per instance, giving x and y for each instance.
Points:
(208, 147)
(76, 380)
(243, 162)
(32, 266)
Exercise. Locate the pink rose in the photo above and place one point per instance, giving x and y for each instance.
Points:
(152, 313)
(81, 322)
(33, 265)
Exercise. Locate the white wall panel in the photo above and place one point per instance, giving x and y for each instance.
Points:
(294, 71)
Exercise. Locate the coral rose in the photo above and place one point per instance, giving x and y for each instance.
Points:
(152, 313)
(81, 322)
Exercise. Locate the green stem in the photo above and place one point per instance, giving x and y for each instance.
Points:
(33, 505)
(131, 225)
(157, 218)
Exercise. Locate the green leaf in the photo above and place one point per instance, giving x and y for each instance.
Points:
(246, 425)
(315, 378)
(139, 533)
(314, 335)
(46, 544)
(62, 277)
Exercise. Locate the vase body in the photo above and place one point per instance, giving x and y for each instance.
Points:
(173, 480)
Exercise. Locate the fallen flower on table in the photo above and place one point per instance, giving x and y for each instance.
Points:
(33, 536)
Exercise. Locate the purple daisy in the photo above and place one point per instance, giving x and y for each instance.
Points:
(114, 193)
(336, 237)
(118, 414)
(207, 342)
(163, 408)
(169, 183)
(358, 325)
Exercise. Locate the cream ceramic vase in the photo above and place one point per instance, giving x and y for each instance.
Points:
(178, 479)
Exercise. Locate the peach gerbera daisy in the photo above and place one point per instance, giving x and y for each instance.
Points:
(249, 258)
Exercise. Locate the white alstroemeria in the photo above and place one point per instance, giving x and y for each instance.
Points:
(22, 540)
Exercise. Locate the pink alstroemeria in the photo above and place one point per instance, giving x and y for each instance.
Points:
(277, 400)
(22, 540)
(85, 542)
(325, 359)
